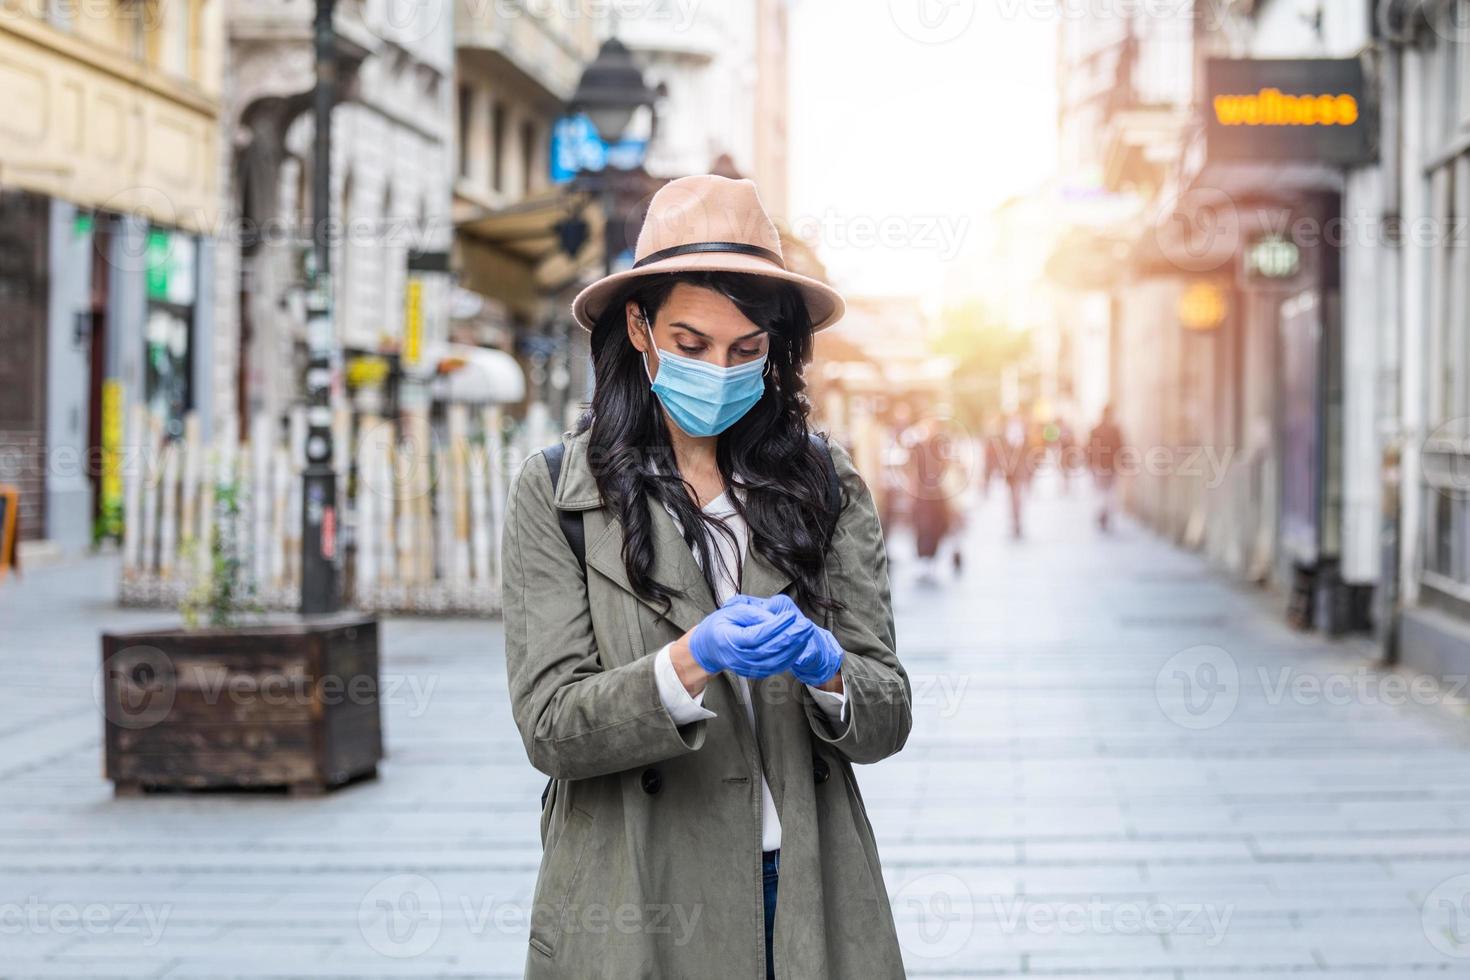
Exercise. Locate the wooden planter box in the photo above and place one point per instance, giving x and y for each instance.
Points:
(291, 704)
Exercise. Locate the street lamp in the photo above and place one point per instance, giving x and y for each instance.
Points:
(319, 524)
(610, 90)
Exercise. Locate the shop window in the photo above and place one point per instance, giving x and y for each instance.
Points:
(171, 272)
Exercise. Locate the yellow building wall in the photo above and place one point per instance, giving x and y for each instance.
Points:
(113, 104)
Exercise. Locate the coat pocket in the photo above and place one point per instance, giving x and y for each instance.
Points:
(561, 867)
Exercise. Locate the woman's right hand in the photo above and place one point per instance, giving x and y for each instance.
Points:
(744, 637)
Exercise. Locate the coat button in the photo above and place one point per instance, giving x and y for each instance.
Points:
(653, 781)
(820, 771)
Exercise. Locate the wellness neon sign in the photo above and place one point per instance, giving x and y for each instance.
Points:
(1264, 110)
(1273, 107)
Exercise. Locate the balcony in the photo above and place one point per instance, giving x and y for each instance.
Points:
(549, 52)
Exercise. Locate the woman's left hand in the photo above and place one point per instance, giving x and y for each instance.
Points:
(820, 664)
(816, 656)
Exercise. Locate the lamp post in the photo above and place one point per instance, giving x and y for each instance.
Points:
(610, 90)
(319, 523)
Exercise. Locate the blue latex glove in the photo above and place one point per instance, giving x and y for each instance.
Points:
(749, 637)
(821, 659)
(816, 656)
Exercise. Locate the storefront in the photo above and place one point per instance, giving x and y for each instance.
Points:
(1271, 185)
(1432, 475)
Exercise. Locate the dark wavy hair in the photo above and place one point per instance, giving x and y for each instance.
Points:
(784, 480)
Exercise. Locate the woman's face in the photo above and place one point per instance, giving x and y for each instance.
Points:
(699, 323)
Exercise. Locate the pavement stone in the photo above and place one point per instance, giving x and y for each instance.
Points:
(1122, 765)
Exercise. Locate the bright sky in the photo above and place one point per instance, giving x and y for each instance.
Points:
(910, 119)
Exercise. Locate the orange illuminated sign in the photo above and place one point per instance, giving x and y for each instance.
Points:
(1277, 109)
(1272, 107)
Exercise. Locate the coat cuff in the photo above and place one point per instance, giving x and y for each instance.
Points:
(683, 707)
(832, 703)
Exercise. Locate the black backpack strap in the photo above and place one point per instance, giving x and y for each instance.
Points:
(570, 521)
(571, 529)
(834, 482)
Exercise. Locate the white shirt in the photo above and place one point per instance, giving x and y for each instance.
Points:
(684, 708)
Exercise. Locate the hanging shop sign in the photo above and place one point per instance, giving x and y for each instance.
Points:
(169, 267)
(577, 148)
(111, 505)
(413, 320)
(9, 518)
(1311, 109)
(1202, 306)
(1270, 260)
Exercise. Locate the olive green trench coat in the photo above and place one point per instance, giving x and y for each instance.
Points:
(652, 832)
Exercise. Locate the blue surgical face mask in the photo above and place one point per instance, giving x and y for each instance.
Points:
(704, 399)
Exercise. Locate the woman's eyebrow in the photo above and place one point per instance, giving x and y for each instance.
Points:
(681, 325)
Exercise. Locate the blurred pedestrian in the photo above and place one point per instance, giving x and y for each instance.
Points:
(934, 514)
(993, 468)
(1103, 446)
(1066, 449)
(1017, 445)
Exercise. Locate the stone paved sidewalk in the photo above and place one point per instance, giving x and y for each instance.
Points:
(1121, 766)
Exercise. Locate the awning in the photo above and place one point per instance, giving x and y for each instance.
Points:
(514, 253)
(1251, 179)
(479, 375)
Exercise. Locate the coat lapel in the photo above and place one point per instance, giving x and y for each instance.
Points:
(673, 565)
(673, 562)
(760, 578)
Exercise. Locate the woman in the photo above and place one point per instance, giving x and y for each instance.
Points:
(701, 687)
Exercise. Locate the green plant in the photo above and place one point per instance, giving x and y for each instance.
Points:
(220, 593)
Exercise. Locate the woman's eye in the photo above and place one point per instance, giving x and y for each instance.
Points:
(689, 350)
(749, 353)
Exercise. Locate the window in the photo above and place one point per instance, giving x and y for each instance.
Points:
(61, 13)
(497, 145)
(1446, 446)
(176, 56)
(528, 156)
(466, 104)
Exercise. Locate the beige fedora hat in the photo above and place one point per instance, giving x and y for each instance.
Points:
(708, 223)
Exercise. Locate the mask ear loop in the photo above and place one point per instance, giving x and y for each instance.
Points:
(643, 314)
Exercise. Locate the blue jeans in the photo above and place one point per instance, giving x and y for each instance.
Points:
(770, 863)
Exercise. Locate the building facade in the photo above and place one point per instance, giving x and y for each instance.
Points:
(1294, 301)
(391, 184)
(730, 55)
(1425, 81)
(516, 70)
(108, 226)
